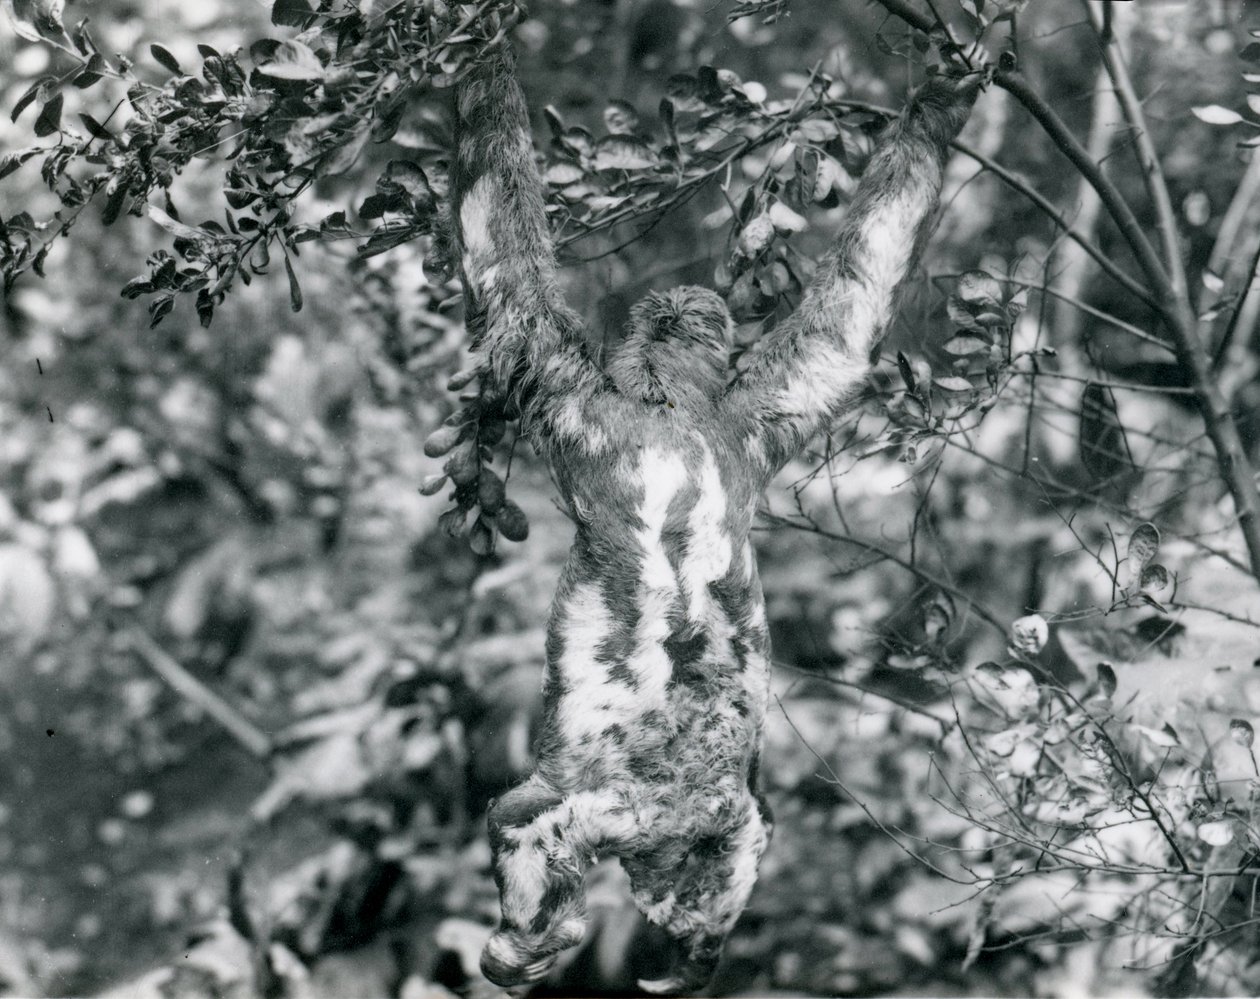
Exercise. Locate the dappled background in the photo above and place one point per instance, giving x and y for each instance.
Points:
(254, 697)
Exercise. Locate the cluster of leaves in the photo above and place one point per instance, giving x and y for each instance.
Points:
(974, 364)
(277, 118)
(708, 121)
(1067, 779)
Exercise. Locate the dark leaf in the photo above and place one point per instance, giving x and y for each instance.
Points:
(385, 239)
(1106, 679)
(136, 287)
(411, 178)
(159, 308)
(49, 119)
(1251, 53)
(291, 13)
(33, 92)
(906, 371)
(165, 59)
(94, 127)
(295, 289)
(11, 161)
(113, 204)
(512, 522)
(92, 72)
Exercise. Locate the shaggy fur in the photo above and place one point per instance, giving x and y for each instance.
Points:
(657, 669)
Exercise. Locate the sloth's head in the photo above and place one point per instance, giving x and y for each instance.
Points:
(677, 348)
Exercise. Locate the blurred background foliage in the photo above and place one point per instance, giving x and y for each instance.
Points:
(253, 701)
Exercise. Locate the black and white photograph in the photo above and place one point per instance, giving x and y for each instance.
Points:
(618, 498)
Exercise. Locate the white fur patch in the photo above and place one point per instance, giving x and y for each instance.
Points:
(590, 698)
(474, 220)
(709, 548)
(663, 475)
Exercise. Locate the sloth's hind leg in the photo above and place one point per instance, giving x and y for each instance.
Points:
(699, 903)
(542, 843)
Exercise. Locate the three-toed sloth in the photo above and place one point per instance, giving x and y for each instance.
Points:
(657, 657)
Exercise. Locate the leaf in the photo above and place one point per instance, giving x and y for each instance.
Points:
(620, 152)
(620, 118)
(1143, 546)
(410, 177)
(756, 236)
(1242, 732)
(49, 119)
(563, 173)
(1103, 443)
(95, 128)
(290, 13)
(172, 226)
(92, 72)
(512, 522)
(1155, 579)
(164, 58)
(906, 371)
(1216, 833)
(786, 220)
(36, 20)
(34, 92)
(1251, 53)
(432, 485)
(291, 60)
(295, 289)
(1106, 680)
(1030, 633)
(964, 345)
(1214, 114)
(11, 161)
(952, 383)
(159, 308)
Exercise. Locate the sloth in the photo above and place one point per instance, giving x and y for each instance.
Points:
(656, 682)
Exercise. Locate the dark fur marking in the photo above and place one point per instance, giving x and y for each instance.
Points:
(622, 673)
(561, 889)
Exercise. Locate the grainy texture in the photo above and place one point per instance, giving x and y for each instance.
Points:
(657, 672)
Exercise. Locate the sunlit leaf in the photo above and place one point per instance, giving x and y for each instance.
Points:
(1214, 114)
(620, 152)
(1030, 633)
(1242, 732)
(291, 60)
(786, 220)
(952, 383)
(1216, 833)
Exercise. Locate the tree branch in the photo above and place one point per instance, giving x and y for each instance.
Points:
(1148, 159)
(1231, 456)
(253, 739)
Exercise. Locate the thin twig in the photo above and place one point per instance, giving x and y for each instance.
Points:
(251, 738)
